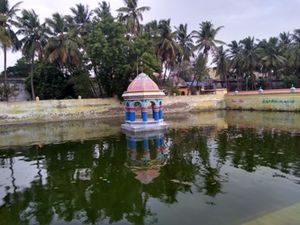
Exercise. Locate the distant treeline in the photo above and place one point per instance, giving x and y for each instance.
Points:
(62, 53)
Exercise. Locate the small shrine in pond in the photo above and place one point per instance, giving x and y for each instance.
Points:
(143, 105)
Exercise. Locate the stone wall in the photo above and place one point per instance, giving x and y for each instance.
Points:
(193, 103)
(264, 102)
(58, 110)
(80, 109)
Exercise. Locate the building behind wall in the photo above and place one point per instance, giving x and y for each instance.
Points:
(19, 92)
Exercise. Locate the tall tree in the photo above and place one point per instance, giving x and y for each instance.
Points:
(285, 38)
(8, 38)
(270, 56)
(81, 14)
(296, 36)
(222, 63)
(166, 46)
(249, 59)
(103, 10)
(64, 44)
(81, 17)
(133, 15)
(151, 29)
(200, 69)
(185, 42)
(33, 41)
(206, 37)
(236, 61)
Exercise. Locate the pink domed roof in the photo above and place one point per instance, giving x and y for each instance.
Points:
(142, 83)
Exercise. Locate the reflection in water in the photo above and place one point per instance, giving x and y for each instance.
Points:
(180, 177)
(146, 162)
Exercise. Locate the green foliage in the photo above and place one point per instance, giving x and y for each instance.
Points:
(206, 37)
(144, 51)
(108, 50)
(171, 89)
(20, 69)
(131, 14)
(200, 68)
(82, 84)
(50, 82)
(261, 83)
(291, 80)
(114, 57)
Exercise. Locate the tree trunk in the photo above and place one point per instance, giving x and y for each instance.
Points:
(98, 81)
(226, 80)
(253, 80)
(165, 74)
(93, 88)
(5, 87)
(190, 87)
(101, 91)
(240, 80)
(31, 77)
(270, 80)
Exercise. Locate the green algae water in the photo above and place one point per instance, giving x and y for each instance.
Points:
(217, 168)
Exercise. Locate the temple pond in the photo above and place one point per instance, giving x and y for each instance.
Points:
(212, 168)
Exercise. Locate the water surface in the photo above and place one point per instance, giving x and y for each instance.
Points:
(209, 168)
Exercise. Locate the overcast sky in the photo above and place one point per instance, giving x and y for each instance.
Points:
(240, 18)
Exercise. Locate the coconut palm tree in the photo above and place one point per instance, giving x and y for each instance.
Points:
(81, 14)
(166, 46)
(271, 57)
(151, 29)
(292, 54)
(33, 41)
(221, 60)
(200, 68)
(8, 38)
(132, 15)
(235, 58)
(64, 44)
(185, 42)
(296, 36)
(285, 38)
(248, 57)
(80, 18)
(103, 9)
(206, 37)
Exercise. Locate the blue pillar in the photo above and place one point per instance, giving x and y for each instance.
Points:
(156, 113)
(158, 145)
(132, 115)
(146, 149)
(127, 110)
(127, 114)
(161, 114)
(144, 114)
(146, 144)
(131, 143)
(157, 142)
(161, 141)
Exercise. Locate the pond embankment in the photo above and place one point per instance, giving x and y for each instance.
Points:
(282, 101)
(82, 109)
